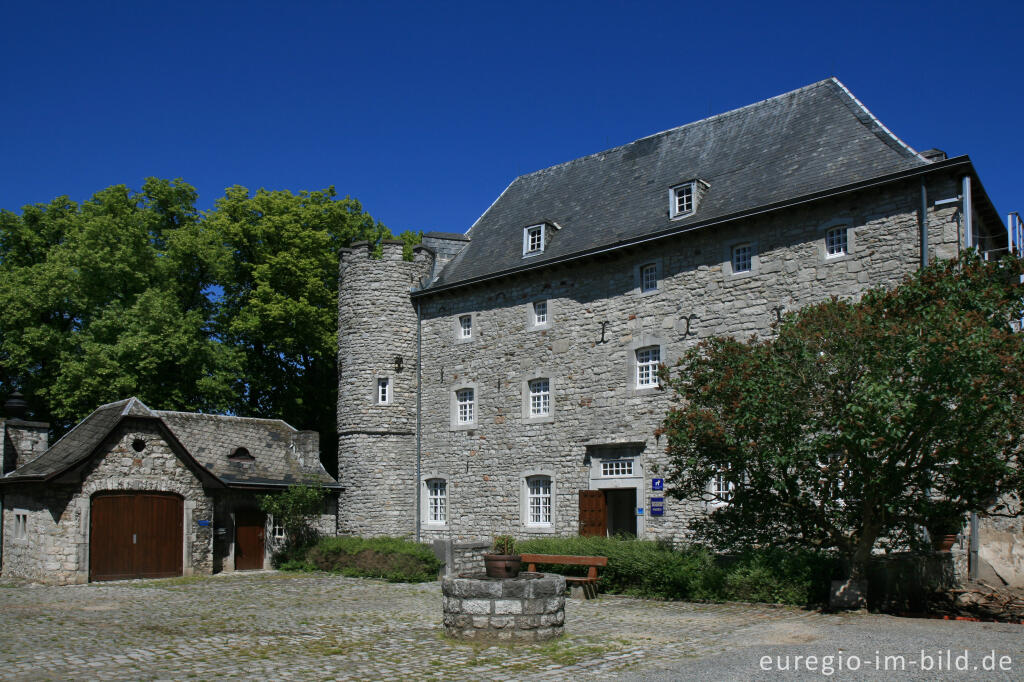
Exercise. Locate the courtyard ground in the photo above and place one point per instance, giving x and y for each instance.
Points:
(288, 626)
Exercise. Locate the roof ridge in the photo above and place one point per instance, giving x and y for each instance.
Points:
(724, 114)
(206, 415)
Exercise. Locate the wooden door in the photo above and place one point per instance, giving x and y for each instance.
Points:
(593, 515)
(135, 535)
(249, 540)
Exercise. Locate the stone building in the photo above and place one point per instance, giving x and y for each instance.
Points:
(134, 492)
(503, 381)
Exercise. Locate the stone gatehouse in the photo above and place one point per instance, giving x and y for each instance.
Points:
(503, 381)
(134, 492)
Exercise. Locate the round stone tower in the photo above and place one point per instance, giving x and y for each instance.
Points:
(377, 388)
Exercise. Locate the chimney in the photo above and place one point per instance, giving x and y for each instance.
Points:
(307, 449)
(23, 440)
(934, 155)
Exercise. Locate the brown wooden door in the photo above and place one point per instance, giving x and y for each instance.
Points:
(249, 540)
(593, 515)
(135, 535)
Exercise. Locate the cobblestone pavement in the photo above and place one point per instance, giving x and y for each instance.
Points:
(287, 626)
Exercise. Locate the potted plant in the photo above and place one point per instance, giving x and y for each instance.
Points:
(503, 562)
(944, 525)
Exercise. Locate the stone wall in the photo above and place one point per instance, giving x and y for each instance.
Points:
(56, 549)
(598, 318)
(22, 441)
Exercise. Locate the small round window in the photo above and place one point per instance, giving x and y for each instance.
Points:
(138, 445)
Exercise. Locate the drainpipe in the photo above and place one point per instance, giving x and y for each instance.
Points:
(968, 210)
(924, 224)
(973, 547)
(419, 410)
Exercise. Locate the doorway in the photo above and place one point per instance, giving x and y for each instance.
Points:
(249, 531)
(621, 503)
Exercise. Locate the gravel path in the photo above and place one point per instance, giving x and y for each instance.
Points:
(286, 626)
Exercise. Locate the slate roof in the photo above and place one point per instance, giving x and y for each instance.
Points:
(810, 140)
(277, 448)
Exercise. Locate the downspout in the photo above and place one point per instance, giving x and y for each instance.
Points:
(924, 224)
(968, 210)
(419, 411)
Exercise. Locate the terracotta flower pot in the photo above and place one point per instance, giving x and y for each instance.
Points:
(502, 565)
(943, 543)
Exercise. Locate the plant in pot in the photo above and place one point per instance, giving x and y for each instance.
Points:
(503, 562)
(944, 524)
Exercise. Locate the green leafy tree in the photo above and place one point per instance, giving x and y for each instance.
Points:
(296, 509)
(859, 422)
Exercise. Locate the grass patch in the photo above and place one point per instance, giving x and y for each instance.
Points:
(171, 582)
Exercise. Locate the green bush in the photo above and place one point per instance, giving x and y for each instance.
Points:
(393, 559)
(656, 570)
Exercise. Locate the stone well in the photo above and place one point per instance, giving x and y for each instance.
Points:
(529, 608)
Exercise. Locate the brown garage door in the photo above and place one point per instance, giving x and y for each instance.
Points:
(135, 535)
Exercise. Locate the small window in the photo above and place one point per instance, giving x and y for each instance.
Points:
(649, 277)
(437, 500)
(742, 258)
(240, 455)
(540, 313)
(647, 360)
(276, 528)
(383, 391)
(466, 326)
(20, 525)
(533, 240)
(721, 488)
(538, 501)
(465, 405)
(540, 398)
(617, 467)
(836, 243)
(681, 199)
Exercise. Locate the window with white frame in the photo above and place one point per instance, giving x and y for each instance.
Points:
(681, 200)
(533, 240)
(276, 528)
(540, 398)
(20, 525)
(538, 501)
(540, 313)
(836, 243)
(742, 258)
(617, 467)
(720, 487)
(465, 326)
(437, 500)
(649, 277)
(465, 406)
(647, 360)
(384, 391)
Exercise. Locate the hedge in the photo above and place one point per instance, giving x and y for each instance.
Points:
(392, 559)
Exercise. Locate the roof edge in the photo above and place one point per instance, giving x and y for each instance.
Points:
(876, 120)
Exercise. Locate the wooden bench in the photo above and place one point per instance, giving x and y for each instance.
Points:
(588, 583)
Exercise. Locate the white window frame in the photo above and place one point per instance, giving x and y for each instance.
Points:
(465, 327)
(688, 189)
(437, 501)
(744, 250)
(647, 360)
(611, 468)
(533, 240)
(720, 490)
(384, 390)
(20, 533)
(458, 329)
(540, 501)
(540, 397)
(648, 277)
(276, 528)
(540, 313)
(461, 409)
(837, 242)
(532, 322)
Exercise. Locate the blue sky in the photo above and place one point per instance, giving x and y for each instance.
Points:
(426, 111)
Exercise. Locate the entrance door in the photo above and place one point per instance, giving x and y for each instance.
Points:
(135, 535)
(592, 513)
(621, 510)
(249, 540)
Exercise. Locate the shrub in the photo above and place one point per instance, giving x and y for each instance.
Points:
(653, 569)
(393, 559)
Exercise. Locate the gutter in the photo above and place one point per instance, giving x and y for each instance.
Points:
(954, 163)
(419, 414)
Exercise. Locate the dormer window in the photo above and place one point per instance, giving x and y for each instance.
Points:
(683, 199)
(533, 240)
(240, 455)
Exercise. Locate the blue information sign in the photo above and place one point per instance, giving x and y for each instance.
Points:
(203, 522)
(657, 484)
(657, 506)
